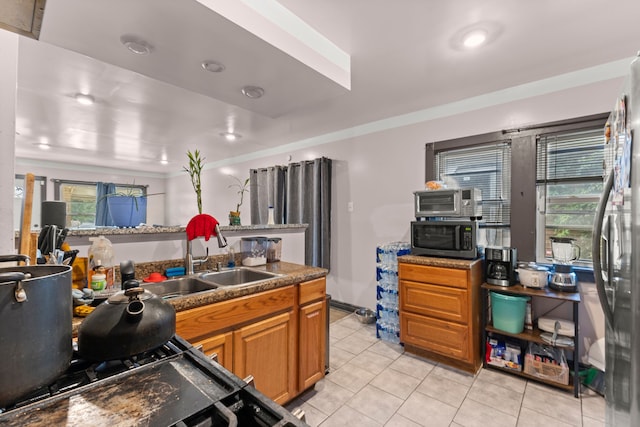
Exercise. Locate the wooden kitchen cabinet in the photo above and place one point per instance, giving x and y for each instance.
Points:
(221, 345)
(266, 350)
(312, 318)
(440, 312)
(277, 336)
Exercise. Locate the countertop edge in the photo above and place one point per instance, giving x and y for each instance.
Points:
(113, 231)
(465, 264)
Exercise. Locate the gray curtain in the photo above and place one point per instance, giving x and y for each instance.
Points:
(300, 194)
(309, 201)
(267, 188)
(103, 218)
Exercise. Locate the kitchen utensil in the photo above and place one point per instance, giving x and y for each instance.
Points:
(533, 276)
(130, 322)
(27, 207)
(35, 326)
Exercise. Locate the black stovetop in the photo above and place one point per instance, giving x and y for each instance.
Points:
(174, 385)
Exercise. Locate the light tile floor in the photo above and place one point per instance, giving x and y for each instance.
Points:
(375, 383)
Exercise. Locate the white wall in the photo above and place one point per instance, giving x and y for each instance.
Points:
(8, 78)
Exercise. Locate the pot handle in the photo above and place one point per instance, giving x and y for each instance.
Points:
(15, 258)
(15, 276)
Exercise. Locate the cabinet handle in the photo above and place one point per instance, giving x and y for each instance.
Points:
(250, 380)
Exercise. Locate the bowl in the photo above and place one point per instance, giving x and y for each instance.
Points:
(366, 316)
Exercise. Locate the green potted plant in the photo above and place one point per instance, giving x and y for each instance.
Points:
(194, 170)
(242, 186)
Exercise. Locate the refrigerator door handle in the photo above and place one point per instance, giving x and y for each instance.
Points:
(596, 248)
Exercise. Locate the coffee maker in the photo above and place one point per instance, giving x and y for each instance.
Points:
(501, 266)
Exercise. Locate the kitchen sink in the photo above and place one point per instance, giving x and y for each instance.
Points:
(174, 288)
(238, 276)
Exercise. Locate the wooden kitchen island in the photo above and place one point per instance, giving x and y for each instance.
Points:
(440, 309)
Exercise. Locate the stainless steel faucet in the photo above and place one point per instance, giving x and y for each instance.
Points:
(190, 262)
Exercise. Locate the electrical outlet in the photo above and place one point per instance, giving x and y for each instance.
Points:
(350, 207)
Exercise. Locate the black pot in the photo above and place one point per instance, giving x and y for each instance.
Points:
(130, 322)
(35, 326)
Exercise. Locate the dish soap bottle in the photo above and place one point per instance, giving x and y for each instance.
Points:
(231, 258)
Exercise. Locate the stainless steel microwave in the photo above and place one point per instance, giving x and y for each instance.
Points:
(451, 239)
(455, 203)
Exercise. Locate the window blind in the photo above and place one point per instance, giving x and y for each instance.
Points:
(487, 167)
(569, 176)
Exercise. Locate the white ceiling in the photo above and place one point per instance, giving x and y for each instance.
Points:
(404, 57)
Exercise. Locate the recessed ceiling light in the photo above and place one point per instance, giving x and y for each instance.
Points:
(84, 99)
(44, 146)
(213, 66)
(164, 162)
(474, 39)
(253, 92)
(230, 136)
(477, 34)
(136, 45)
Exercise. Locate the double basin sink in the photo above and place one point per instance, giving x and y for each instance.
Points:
(187, 285)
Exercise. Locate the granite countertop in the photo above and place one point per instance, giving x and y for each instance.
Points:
(292, 274)
(464, 264)
(153, 229)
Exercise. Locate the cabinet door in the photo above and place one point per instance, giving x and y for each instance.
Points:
(267, 350)
(437, 301)
(222, 345)
(312, 333)
(440, 336)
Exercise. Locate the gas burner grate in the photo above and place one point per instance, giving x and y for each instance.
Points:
(82, 372)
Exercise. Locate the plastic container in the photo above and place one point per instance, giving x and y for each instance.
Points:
(101, 255)
(274, 249)
(98, 282)
(508, 312)
(254, 251)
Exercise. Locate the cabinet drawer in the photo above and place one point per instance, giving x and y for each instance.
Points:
(446, 338)
(435, 275)
(200, 322)
(312, 290)
(441, 302)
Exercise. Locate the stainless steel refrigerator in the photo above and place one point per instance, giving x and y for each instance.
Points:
(616, 255)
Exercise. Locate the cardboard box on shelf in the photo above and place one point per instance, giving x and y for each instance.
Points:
(546, 362)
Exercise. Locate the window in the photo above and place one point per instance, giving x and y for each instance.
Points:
(485, 166)
(39, 194)
(82, 197)
(569, 185)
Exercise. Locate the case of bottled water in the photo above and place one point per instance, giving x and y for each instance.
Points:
(388, 320)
